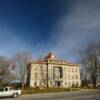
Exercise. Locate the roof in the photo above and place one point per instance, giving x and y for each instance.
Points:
(52, 58)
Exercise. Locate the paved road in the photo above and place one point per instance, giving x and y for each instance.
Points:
(92, 97)
(60, 96)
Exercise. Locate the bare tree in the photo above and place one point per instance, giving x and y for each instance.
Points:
(21, 60)
(5, 74)
(90, 60)
(85, 77)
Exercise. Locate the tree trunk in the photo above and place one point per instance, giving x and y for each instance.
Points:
(22, 85)
(94, 81)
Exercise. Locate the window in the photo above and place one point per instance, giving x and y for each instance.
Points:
(77, 83)
(6, 89)
(69, 76)
(35, 76)
(57, 72)
(50, 60)
(76, 71)
(72, 70)
(69, 83)
(35, 84)
(58, 61)
(73, 84)
(1, 89)
(65, 69)
(64, 75)
(76, 76)
(40, 84)
(68, 70)
(72, 76)
(65, 83)
(51, 83)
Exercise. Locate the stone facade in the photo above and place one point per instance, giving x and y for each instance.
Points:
(53, 72)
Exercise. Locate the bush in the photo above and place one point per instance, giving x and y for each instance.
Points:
(3, 84)
(28, 90)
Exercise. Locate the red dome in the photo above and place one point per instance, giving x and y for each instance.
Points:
(50, 56)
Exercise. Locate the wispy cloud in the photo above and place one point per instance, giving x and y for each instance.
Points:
(77, 27)
(73, 29)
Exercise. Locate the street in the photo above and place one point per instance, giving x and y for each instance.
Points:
(60, 96)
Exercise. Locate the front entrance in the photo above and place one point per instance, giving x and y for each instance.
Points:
(58, 83)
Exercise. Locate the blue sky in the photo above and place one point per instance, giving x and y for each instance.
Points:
(41, 26)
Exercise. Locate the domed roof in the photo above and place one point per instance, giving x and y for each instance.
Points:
(50, 56)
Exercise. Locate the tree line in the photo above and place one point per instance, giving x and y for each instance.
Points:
(16, 67)
(90, 64)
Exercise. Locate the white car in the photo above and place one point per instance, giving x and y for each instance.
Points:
(9, 92)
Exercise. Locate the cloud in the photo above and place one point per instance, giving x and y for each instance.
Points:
(78, 23)
(77, 27)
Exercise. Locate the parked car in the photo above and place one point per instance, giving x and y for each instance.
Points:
(9, 92)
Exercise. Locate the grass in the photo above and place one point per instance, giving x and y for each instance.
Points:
(31, 90)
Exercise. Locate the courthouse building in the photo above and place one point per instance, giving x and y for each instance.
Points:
(53, 72)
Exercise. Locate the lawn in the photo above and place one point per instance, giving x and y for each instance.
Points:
(30, 90)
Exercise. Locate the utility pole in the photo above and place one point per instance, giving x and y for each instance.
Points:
(35, 83)
(47, 72)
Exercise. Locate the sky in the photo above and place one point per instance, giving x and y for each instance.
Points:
(62, 27)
